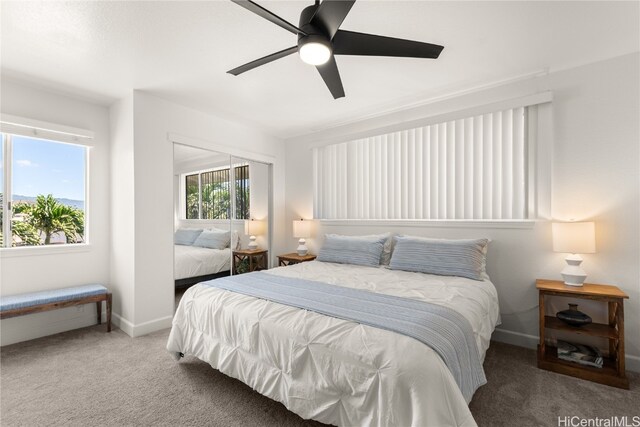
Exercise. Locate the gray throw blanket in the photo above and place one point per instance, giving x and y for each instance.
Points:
(446, 331)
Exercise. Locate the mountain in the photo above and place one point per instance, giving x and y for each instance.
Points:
(79, 204)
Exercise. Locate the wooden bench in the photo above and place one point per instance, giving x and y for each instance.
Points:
(36, 302)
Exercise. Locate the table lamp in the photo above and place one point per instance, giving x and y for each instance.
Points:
(252, 227)
(574, 238)
(302, 230)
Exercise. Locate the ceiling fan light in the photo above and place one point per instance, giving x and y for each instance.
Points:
(314, 53)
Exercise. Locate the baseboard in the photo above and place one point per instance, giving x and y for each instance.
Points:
(152, 326)
(632, 363)
(515, 338)
(143, 328)
(123, 324)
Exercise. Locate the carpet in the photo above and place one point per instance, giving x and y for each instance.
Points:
(88, 377)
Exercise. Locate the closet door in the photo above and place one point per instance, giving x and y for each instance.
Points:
(203, 200)
(251, 194)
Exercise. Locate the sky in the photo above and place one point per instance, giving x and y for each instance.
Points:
(45, 167)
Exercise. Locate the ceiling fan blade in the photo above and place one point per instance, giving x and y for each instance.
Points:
(352, 43)
(269, 16)
(330, 14)
(331, 77)
(264, 60)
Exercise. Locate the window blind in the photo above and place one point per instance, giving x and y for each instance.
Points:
(471, 168)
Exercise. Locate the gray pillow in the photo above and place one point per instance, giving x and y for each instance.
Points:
(463, 258)
(186, 236)
(357, 250)
(213, 239)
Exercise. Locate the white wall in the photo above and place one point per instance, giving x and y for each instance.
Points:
(594, 174)
(122, 247)
(53, 270)
(152, 217)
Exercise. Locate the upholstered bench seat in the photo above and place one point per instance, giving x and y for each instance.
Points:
(33, 302)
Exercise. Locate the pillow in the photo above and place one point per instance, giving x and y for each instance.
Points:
(386, 249)
(235, 239)
(464, 258)
(213, 239)
(186, 236)
(358, 250)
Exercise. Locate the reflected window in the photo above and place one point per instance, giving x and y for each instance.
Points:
(208, 194)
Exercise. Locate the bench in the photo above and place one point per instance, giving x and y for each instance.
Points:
(36, 302)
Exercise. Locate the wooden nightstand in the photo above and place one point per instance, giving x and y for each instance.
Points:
(613, 371)
(247, 260)
(294, 258)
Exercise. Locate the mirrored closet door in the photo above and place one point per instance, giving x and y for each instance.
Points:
(203, 240)
(251, 215)
(222, 212)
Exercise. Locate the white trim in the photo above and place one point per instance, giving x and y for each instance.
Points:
(143, 328)
(36, 128)
(7, 171)
(632, 363)
(122, 323)
(515, 338)
(531, 341)
(450, 223)
(479, 109)
(44, 250)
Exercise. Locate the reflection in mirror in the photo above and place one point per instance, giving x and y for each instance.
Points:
(203, 211)
(251, 217)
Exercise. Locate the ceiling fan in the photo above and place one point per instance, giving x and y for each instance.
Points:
(319, 39)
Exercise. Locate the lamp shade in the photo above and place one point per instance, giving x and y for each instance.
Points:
(301, 229)
(574, 237)
(251, 227)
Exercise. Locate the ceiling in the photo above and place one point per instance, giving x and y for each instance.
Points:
(181, 51)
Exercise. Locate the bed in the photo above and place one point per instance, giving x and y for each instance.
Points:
(195, 264)
(332, 370)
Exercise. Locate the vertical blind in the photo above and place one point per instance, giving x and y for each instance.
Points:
(471, 168)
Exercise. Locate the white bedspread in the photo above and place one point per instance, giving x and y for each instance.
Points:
(193, 261)
(332, 370)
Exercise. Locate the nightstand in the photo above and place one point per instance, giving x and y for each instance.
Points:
(613, 371)
(294, 258)
(247, 260)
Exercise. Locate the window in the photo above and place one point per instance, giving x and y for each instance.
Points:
(473, 168)
(208, 194)
(43, 192)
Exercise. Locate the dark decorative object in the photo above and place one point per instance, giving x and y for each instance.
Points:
(320, 38)
(573, 317)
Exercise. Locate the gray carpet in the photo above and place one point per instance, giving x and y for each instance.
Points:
(88, 377)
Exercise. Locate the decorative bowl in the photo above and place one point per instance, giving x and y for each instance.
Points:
(573, 317)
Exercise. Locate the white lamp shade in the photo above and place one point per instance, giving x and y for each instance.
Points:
(574, 237)
(301, 229)
(252, 227)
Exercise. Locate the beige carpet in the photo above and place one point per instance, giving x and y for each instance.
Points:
(88, 377)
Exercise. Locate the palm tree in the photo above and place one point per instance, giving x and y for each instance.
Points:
(50, 217)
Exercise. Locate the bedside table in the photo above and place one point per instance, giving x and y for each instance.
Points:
(613, 371)
(294, 258)
(256, 259)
